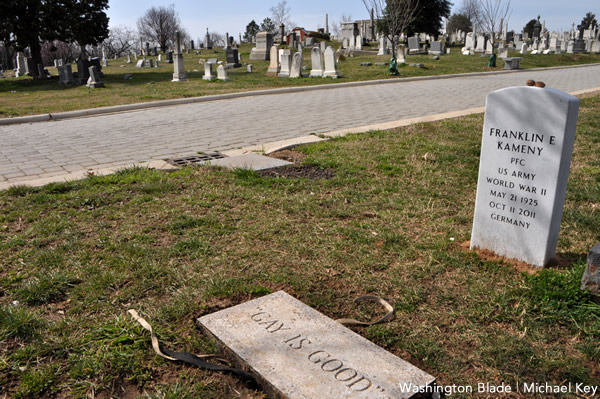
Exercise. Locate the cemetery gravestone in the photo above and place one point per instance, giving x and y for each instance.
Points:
(591, 278)
(330, 64)
(437, 48)
(179, 74)
(298, 353)
(286, 61)
(140, 64)
(274, 64)
(503, 53)
(222, 73)
(233, 57)
(65, 74)
(208, 74)
(323, 46)
(83, 73)
(358, 43)
(526, 151)
(317, 63)
(264, 41)
(413, 45)
(20, 65)
(94, 79)
(149, 63)
(296, 66)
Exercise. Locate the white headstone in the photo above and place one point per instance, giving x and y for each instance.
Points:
(317, 63)
(528, 137)
(401, 54)
(140, 64)
(296, 68)
(524, 48)
(222, 73)
(382, 46)
(179, 74)
(274, 64)
(21, 65)
(208, 72)
(286, 61)
(358, 43)
(330, 64)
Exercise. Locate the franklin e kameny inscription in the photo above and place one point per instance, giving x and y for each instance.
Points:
(297, 352)
(528, 137)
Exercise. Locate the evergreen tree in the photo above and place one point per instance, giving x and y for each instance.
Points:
(529, 27)
(268, 25)
(459, 22)
(588, 21)
(429, 17)
(251, 30)
(28, 23)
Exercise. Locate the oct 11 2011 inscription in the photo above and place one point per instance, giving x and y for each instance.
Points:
(526, 149)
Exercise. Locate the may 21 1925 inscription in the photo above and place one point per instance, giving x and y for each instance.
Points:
(296, 352)
(525, 160)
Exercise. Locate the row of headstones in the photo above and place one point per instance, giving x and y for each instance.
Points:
(285, 65)
(85, 73)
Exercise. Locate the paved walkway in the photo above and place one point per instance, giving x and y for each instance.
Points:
(47, 149)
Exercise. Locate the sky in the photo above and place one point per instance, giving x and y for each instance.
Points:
(233, 15)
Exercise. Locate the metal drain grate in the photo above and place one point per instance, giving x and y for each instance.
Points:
(195, 159)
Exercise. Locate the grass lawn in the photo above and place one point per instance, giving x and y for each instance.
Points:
(392, 222)
(23, 96)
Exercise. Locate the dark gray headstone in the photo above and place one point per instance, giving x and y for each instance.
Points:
(232, 57)
(83, 73)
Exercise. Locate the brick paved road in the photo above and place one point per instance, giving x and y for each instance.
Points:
(45, 149)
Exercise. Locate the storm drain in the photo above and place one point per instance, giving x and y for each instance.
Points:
(195, 159)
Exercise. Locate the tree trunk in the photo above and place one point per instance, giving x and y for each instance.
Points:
(36, 55)
(394, 44)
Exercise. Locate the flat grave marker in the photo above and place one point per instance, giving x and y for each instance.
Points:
(528, 138)
(298, 353)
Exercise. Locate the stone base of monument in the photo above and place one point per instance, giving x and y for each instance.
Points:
(296, 352)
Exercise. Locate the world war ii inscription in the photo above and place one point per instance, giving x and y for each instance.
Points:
(526, 152)
(298, 353)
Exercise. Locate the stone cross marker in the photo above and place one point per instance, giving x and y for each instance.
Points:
(528, 137)
(298, 353)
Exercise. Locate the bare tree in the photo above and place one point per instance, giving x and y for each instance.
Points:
(472, 9)
(121, 40)
(393, 17)
(159, 25)
(281, 15)
(336, 27)
(492, 13)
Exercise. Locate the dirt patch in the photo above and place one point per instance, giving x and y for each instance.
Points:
(299, 171)
(558, 262)
(289, 155)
